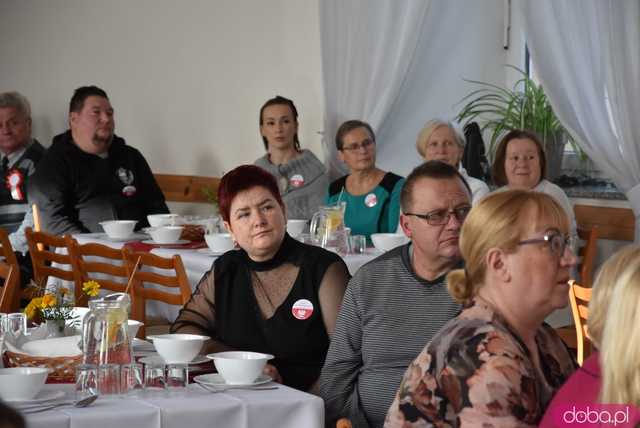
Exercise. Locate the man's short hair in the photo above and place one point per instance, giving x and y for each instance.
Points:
(349, 126)
(430, 169)
(81, 94)
(16, 100)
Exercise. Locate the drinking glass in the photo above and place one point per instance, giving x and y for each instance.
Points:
(358, 244)
(154, 378)
(131, 382)
(109, 380)
(177, 376)
(86, 380)
(3, 323)
(16, 324)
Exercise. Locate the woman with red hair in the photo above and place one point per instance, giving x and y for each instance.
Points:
(275, 294)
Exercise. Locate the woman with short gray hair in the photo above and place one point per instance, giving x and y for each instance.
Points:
(439, 140)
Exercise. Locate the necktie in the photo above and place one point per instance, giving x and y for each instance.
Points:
(5, 165)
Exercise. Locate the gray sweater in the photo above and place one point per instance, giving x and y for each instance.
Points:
(387, 316)
(302, 181)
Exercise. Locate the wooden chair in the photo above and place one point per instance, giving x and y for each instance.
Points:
(579, 297)
(587, 254)
(37, 223)
(147, 285)
(186, 188)
(42, 248)
(97, 262)
(10, 272)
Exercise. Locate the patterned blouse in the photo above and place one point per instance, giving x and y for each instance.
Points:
(477, 372)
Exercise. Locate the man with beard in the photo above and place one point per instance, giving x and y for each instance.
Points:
(90, 175)
(395, 303)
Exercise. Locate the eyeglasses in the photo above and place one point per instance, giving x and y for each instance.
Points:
(363, 145)
(440, 217)
(556, 241)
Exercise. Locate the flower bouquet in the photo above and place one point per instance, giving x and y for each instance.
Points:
(56, 307)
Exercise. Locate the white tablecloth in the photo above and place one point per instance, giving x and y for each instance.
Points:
(196, 264)
(193, 407)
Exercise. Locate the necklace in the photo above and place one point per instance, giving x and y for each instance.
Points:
(262, 289)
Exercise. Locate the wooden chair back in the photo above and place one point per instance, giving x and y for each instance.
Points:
(10, 272)
(587, 254)
(147, 284)
(186, 188)
(97, 262)
(43, 259)
(579, 297)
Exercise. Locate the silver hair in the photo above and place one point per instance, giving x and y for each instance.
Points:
(16, 100)
(430, 127)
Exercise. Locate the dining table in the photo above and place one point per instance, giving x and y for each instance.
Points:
(192, 406)
(196, 261)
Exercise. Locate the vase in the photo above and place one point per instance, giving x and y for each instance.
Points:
(55, 328)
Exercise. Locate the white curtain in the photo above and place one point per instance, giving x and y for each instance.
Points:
(367, 49)
(587, 55)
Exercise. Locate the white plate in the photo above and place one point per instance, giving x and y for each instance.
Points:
(178, 242)
(210, 252)
(215, 379)
(157, 359)
(42, 397)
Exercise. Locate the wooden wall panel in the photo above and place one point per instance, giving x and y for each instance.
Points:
(612, 223)
(186, 188)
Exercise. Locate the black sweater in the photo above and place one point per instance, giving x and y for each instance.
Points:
(75, 190)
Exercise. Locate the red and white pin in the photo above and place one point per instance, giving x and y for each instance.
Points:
(297, 180)
(129, 190)
(302, 309)
(371, 200)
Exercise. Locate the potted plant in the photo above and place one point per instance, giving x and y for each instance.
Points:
(525, 106)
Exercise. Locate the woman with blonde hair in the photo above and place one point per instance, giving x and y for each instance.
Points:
(497, 363)
(439, 140)
(611, 374)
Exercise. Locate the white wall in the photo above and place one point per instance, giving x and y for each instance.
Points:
(186, 78)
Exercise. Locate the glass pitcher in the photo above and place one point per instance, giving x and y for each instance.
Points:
(105, 336)
(327, 228)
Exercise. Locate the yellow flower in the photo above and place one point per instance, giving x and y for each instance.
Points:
(91, 288)
(31, 309)
(48, 301)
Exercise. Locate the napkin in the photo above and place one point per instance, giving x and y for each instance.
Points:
(55, 347)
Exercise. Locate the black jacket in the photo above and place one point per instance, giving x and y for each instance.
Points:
(75, 190)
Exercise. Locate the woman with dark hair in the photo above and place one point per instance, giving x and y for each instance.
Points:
(520, 163)
(301, 177)
(371, 194)
(275, 295)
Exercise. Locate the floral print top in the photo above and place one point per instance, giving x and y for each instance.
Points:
(477, 372)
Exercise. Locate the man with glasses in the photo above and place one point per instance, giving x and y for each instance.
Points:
(19, 155)
(397, 302)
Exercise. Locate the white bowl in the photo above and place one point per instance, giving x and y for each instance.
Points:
(387, 241)
(22, 383)
(132, 328)
(296, 227)
(157, 220)
(219, 242)
(118, 229)
(240, 367)
(178, 348)
(165, 234)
